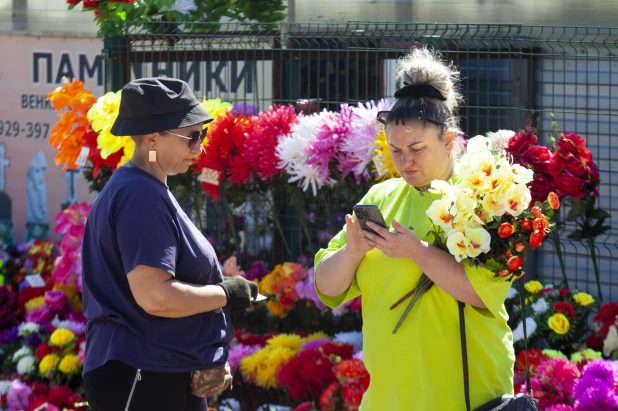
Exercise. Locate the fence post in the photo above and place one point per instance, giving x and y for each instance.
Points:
(114, 69)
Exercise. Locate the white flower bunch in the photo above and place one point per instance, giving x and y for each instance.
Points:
(488, 186)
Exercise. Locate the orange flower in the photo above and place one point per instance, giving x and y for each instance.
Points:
(553, 200)
(67, 135)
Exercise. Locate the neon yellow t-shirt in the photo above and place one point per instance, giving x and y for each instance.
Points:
(420, 367)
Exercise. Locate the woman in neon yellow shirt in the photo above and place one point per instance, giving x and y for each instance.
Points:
(420, 366)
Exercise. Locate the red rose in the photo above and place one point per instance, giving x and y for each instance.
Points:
(38, 388)
(506, 230)
(574, 165)
(36, 401)
(553, 200)
(520, 247)
(73, 1)
(571, 143)
(75, 399)
(305, 406)
(91, 3)
(526, 224)
(520, 142)
(504, 273)
(541, 159)
(564, 292)
(564, 308)
(42, 350)
(536, 238)
(515, 262)
(607, 313)
(540, 224)
(59, 396)
(594, 342)
(536, 211)
(541, 187)
(569, 186)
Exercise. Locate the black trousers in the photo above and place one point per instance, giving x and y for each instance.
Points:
(108, 388)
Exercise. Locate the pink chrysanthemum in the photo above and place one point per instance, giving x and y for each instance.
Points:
(359, 144)
(261, 143)
(331, 131)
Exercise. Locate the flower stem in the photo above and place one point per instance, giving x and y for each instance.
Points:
(597, 275)
(424, 284)
(556, 241)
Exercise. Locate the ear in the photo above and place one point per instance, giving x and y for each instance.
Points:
(150, 140)
(449, 139)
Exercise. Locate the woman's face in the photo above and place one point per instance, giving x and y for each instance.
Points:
(418, 154)
(173, 153)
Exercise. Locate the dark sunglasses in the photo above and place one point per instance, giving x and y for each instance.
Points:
(382, 115)
(197, 137)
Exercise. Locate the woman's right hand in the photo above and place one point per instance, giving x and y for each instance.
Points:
(357, 243)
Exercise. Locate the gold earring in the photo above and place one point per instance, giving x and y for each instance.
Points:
(152, 156)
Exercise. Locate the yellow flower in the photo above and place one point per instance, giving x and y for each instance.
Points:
(69, 364)
(587, 354)
(457, 245)
(276, 309)
(559, 323)
(517, 199)
(215, 107)
(291, 341)
(315, 336)
(35, 302)
(48, 364)
(102, 116)
(583, 299)
(266, 285)
(250, 364)
(383, 162)
(533, 287)
(266, 376)
(61, 337)
(440, 213)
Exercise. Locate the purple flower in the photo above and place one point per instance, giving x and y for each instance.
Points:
(313, 344)
(77, 316)
(240, 351)
(559, 407)
(256, 272)
(602, 369)
(8, 307)
(33, 340)
(56, 300)
(18, 395)
(40, 315)
(9, 336)
(248, 109)
(592, 394)
(305, 260)
(306, 290)
(324, 237)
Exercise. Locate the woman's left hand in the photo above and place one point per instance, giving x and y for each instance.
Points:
(399, 244)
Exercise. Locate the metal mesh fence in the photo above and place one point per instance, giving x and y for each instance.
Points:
(510, 74)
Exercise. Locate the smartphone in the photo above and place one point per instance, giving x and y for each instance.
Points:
(369, 212)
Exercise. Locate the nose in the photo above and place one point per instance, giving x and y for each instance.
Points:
(197, 148)
(407, 158)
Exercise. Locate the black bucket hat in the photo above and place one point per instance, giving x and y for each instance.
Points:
(151, 105)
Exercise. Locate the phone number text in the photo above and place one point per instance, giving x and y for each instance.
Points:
(30, 129)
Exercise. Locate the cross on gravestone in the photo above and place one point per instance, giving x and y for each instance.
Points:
(4, 163)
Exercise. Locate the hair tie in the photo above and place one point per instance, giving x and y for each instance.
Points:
(419, 91)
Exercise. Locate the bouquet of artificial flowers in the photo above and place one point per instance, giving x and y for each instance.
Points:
(483, 216)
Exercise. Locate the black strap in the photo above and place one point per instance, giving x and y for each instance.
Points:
(464, 353)
(464, 348)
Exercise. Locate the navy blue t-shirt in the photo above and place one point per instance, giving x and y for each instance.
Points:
(136, 220)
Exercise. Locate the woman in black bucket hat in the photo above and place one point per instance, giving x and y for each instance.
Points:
(154, 296)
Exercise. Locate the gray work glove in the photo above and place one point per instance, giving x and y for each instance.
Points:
(239, 292)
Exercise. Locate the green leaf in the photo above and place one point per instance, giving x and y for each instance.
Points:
(599, 213)
(573, 215)
(577, 235)
(577, 204)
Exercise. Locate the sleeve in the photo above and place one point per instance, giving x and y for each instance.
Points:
(490, 288)
(335, 244)
(146, 231)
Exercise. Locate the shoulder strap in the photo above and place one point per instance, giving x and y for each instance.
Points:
(464, 348)
(464, 353)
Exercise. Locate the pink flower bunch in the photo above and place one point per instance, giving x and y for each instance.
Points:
(70, 223)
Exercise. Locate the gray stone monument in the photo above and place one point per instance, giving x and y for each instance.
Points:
(37, 218)
(7, 234)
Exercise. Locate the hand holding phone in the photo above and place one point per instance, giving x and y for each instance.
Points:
(369, 212)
